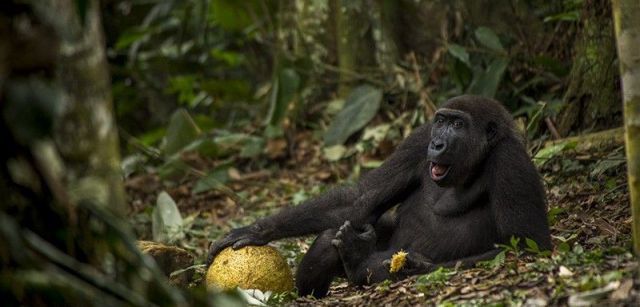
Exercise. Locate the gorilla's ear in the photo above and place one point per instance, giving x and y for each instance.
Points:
(492, 131)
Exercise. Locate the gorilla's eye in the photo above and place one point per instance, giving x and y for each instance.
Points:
(439, 120)
(458, 123)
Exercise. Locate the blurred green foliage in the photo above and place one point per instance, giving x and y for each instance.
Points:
(267, 69)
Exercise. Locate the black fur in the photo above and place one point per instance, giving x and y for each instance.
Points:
(490, 192)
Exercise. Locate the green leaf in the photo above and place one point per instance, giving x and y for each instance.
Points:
(132, 163)
(552, 215)
(372, 164)
(459, 53)
(612, 161)
(204, 146)
(166, 220)
(499, 259)
(548, 152)
(213, 180)
(563, 247)
(227, 89)
(231, 14)
(174, 168)
(252, 147)
(152, 137)
(360, 107)
(181, 132)
(248, 145)
(131, 36)
(532, 246)
(514, 242)
(231, 58)
(565, 16)
(283, 92)
(489, 39)
(485, 83)
(334, 153)
(184, 86)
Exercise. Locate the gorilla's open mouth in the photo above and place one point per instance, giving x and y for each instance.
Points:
(439, 171)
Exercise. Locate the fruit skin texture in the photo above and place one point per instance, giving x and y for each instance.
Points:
(251, 267)
(397, 261)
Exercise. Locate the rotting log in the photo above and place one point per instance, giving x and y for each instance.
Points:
(585, 142)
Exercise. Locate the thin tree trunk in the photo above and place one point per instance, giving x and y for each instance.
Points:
(626, 15)
(85, 132)
(355, 47)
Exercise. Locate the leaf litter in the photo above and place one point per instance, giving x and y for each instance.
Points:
(589, 216)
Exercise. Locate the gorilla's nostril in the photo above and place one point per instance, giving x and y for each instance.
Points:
(437, 145)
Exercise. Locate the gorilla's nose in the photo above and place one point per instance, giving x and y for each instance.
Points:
(437, 146)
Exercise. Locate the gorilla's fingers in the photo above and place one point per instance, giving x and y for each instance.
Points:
(216, 248)
(345, 226)
(336, 242)
(244, 242)
(368, 228)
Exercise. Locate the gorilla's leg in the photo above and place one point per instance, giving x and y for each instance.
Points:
(319, 266)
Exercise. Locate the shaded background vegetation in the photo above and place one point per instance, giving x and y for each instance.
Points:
(283, 64)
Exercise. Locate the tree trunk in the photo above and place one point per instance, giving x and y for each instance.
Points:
(85, 132)
(593, 79)
(354, 44)
(62, 240)
(626, 15)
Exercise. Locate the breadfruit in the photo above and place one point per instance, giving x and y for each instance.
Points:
(251, 267)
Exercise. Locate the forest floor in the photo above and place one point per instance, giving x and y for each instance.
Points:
(588, 212)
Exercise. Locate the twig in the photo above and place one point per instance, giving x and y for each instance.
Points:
(552, 128)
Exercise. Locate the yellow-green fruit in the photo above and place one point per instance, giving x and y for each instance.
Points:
(251, 267)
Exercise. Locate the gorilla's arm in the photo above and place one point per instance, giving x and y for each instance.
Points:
(375, 193)
(517, 202)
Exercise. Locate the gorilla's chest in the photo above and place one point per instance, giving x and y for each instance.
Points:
(443, 237)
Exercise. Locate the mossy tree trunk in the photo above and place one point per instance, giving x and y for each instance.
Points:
(590, 100)
(85, 131)
(626, 15)
(62, 237)
(355, 48)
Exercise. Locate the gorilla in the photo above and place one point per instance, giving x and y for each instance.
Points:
(454, 189)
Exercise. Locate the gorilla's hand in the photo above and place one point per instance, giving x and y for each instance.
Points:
(237, 238)
(415, 264)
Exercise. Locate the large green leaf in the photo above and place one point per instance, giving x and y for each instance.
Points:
(459, 53)
(549, 152)
(360, 107)
(130, 36)
(212, 180)
(227, 89)
(283, 91)
(489, 39)
(486, 82)
(231, 14)
(181, 132)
